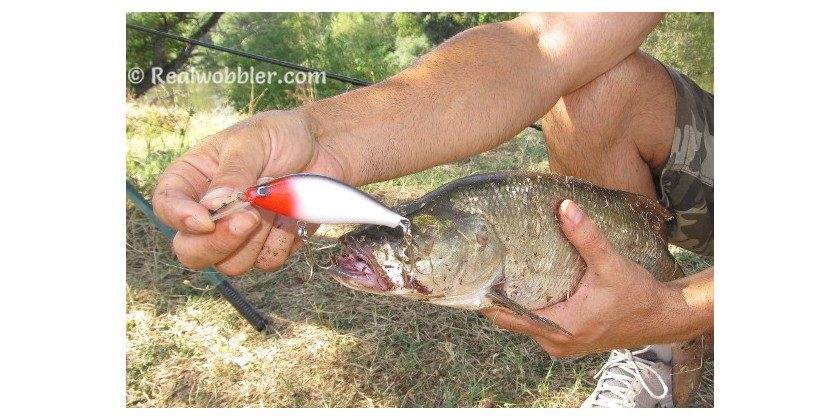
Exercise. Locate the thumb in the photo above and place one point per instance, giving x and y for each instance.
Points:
(236, 172)
(585, 235)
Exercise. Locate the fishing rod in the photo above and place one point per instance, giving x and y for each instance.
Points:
(254, 317)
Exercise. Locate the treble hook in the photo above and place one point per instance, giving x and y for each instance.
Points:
(406, 249)
(222, 211)
(309, 256)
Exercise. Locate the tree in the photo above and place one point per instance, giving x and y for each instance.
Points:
(685, 41)
(366, 46)
(146, 51)
(440, 26)
(351, 44)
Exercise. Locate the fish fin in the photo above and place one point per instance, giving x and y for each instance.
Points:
(521, 310)
(655, 214)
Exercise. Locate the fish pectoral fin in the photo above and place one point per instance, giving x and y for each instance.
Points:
(521, 310)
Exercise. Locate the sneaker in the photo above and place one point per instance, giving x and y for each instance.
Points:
(632, 379)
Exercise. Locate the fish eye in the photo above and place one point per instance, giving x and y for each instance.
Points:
(262, 190)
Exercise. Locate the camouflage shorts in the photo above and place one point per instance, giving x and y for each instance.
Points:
(687, 181)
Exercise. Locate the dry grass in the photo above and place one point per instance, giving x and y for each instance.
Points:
(327, 345)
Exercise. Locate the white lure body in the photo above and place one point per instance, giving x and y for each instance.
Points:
(314, 198)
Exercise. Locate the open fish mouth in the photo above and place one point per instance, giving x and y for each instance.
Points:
(358, 269)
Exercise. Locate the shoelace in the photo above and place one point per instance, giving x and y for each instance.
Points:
(624, 360)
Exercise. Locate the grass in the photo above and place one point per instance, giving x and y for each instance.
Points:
(326, 345)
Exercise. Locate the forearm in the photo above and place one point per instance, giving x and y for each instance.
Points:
(472, 93)
(688, 311)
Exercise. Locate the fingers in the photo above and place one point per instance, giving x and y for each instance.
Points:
(181, 200)
(585, 235)
(206, 176)
(199, 251)
(240, 161)
(175, 199)
(244, 258)
(238, 170)
(236, 246)
(279, 244)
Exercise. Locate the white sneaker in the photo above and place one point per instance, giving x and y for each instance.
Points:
(636, 379)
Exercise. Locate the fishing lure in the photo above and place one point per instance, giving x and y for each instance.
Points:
(313, 198)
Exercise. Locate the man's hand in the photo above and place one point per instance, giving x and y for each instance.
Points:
(267, 145)
(617, 305)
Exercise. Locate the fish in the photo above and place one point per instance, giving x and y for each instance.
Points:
(494, 240)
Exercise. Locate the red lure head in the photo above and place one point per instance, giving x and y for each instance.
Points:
(276, 196)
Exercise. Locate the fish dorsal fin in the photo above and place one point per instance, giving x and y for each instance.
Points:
(508, 303)
(656, 215)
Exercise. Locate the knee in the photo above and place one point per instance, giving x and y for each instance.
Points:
(620, 110)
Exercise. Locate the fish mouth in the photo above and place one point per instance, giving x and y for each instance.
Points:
(358, 269)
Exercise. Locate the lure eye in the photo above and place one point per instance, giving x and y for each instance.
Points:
(262, 190)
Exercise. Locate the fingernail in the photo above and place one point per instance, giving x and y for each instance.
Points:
(571, 212)
(243, 222)
(218, 197)
(197, 226)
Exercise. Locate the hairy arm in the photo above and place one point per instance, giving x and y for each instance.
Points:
(691, 300)
(472, 93)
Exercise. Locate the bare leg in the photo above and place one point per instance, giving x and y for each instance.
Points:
(617, 132)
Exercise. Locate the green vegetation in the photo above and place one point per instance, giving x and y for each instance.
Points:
(685, 41)
(366, 46)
